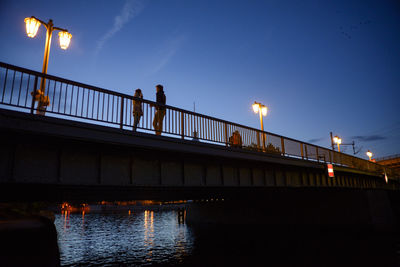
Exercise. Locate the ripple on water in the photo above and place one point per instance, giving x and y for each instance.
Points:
(106, 239)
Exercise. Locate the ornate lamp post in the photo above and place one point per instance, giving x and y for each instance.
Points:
(338, 141)
(369, 154)
(32, 26)
(262, 110)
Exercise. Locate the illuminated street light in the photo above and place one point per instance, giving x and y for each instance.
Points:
(262, 110)
(338, 141)
(32, 26)
(65, 38)
(369, 154)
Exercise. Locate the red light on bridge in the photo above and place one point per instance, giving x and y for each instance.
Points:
(330, 170)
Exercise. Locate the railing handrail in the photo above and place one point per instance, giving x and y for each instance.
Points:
(107, 91)
(388, 157)
(152, 103)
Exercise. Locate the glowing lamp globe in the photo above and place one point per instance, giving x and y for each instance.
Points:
(369, 154)
(32, 26)
(256, 107)
(65, 39)
(264, 110)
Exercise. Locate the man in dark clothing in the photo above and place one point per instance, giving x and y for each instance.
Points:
(160, 109)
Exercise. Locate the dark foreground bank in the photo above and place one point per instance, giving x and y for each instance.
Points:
(29, 241)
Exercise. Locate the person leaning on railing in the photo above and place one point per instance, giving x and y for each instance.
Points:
(137, 108)
(160, 109)
(235, 140)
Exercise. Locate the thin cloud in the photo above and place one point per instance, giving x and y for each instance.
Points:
(170, 48)
(130, 10)
(369, 138)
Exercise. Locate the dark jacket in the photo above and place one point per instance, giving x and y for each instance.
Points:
(161, 99)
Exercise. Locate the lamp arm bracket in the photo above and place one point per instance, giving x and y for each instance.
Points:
(41, 21)
(59, 29)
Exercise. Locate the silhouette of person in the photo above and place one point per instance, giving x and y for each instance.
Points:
(160, 109)
(235, 140)
(137, 108)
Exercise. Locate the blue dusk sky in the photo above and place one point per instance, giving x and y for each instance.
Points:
(319, 66)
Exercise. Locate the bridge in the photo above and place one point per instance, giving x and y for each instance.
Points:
(392, 162)
(83, 147)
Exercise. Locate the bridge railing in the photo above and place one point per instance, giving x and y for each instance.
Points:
(20, 90)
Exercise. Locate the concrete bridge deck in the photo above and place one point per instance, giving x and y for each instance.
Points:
(51, 158)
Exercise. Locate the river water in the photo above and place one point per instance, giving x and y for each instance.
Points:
(162, 238)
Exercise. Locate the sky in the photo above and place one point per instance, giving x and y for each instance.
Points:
(319, 66)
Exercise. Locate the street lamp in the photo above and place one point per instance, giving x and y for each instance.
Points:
(338, 141)
(32, 26)
(262, 110)
(369, 154)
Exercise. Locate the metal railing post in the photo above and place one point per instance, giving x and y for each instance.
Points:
(182, 125)
(305, 148)
(34, 93)
(121, 120)
(301, 150)
(226, 134)
(283, 146)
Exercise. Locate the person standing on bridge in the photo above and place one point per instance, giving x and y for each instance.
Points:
(160, 109)
(137, 108)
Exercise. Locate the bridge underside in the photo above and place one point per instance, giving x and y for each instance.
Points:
(46, 158)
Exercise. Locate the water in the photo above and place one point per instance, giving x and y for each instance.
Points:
(139, 239)
(160, 238)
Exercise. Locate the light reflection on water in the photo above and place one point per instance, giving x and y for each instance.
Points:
(137, 238)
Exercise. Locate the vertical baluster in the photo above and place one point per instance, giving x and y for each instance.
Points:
(65, 97)
(305, 149)
(201, 129)
(83, 100)
(301, 150)
(20, 88)
(226, 134)
(174, 122)
(77, 102)
(27, 91)
(12, 87)
(112, 108)
(146, 115)
(98, 105)
(72, 96)
(87, 107)
(122, 113)
(206, 128)
(4, 86)
(102, 106)
(53, 106)
(220, 133)
(59, 98)
(34, 93)
(190, 130)
(48, 91)
(182, 125)
(108, 109)
(209, 129)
